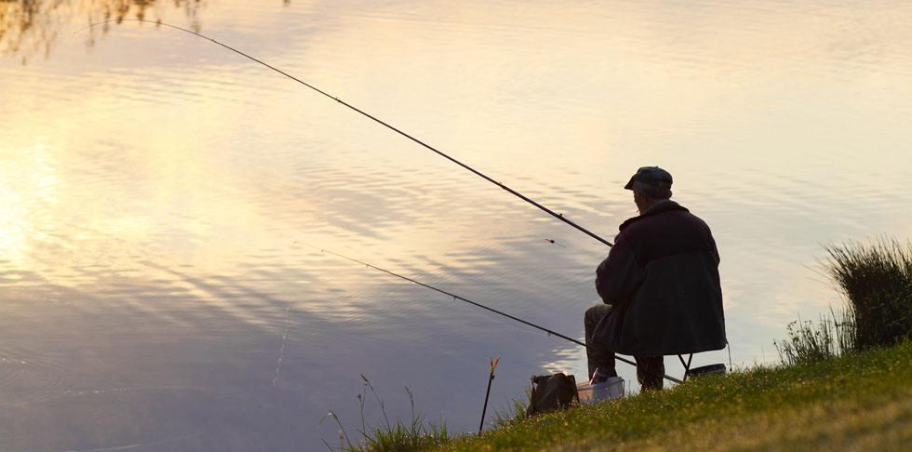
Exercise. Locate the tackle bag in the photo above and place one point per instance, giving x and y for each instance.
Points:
(552, 393)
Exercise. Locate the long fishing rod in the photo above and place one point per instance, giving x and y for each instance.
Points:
(475, 303)
(513, 192)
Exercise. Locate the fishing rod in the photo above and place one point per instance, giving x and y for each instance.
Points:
(513, 192)
(475, 303)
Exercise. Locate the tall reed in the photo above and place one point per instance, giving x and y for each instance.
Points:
(877, 281)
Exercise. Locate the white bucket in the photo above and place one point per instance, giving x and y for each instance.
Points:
(610, 389)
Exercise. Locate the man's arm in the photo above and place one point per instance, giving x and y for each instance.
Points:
(618, 276)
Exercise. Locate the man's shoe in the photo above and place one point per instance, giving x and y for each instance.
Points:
(600, 377)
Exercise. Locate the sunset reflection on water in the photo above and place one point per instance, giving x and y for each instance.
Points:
(159, 194)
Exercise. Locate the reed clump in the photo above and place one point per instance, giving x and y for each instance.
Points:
(877, 282)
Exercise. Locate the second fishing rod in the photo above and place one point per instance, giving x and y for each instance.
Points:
(473, 303)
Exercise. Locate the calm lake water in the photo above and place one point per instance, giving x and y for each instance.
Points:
(157, 195)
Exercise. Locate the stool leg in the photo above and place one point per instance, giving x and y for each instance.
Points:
(686, 364)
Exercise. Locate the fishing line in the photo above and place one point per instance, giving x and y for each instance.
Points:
(513, 192)
(473, 303)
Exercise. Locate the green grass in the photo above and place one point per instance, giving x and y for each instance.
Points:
(513, 414)
(414, 435)
(830, 337)
(856, 402)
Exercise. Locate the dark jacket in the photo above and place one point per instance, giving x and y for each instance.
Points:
(662, 277)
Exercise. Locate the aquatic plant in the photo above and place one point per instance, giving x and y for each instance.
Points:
(830, 337)
(513, 414)
(877, 281)
(414, 435)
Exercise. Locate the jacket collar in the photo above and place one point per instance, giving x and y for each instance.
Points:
(656, 209)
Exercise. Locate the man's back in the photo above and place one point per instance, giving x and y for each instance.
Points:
(662, 279)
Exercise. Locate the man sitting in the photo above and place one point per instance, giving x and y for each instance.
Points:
(660, 286)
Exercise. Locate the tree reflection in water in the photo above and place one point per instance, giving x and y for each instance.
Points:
(30, 27)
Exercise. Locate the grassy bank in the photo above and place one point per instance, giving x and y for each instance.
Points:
(857, 402)
(845, 384)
